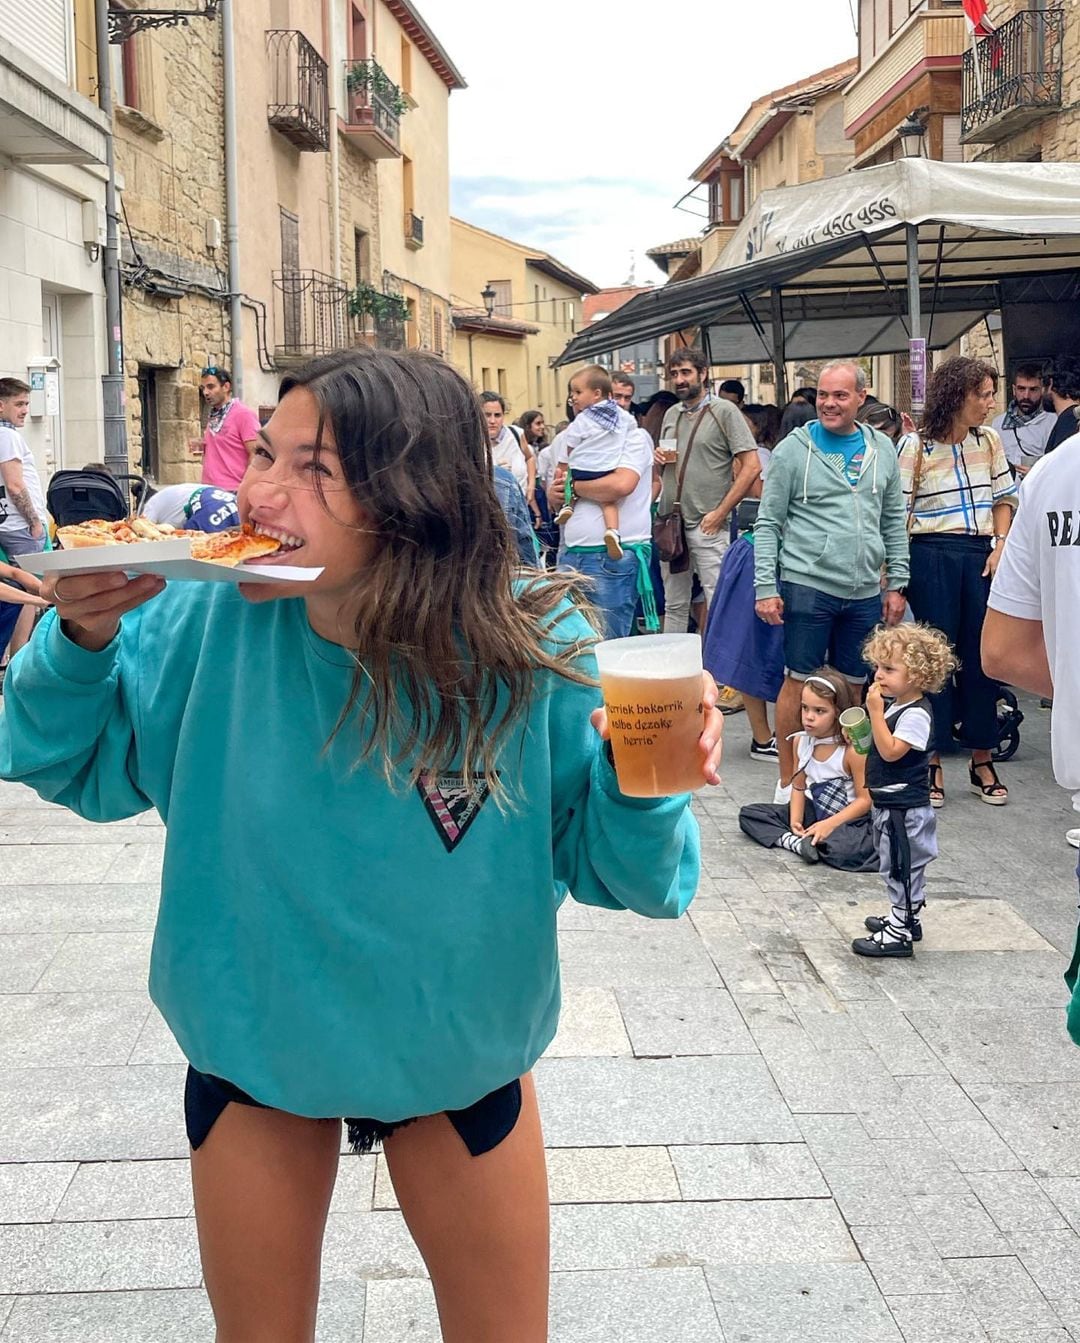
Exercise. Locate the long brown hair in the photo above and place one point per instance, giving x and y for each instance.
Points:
(948, 390)
(449, 655)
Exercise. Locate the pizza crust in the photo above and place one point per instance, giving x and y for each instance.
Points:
(236, 546)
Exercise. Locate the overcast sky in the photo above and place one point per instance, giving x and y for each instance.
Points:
(583, 121)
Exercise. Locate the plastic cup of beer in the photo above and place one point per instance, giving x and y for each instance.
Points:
(859, 729)
(669, 450)
(652, 693)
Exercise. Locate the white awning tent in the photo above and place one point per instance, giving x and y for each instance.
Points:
(820, 270)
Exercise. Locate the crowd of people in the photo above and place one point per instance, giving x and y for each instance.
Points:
(871, 579)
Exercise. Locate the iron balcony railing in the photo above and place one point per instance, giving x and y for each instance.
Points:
(414, 229)
(374, 98)
(299, 90)
(311, 315)
(1013, 76)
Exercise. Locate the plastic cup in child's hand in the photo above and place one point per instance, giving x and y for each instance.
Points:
(858, 729)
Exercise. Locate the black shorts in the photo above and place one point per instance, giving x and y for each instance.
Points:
(481, 1127)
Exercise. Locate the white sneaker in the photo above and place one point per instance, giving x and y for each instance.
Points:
(1073, 837)
(782, 794)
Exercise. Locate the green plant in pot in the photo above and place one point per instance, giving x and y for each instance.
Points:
(369, 77)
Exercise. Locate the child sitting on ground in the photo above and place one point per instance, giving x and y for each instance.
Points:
(595, 442)
(828, 817)
(911, 661)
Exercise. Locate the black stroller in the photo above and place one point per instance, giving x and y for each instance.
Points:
(80, 496)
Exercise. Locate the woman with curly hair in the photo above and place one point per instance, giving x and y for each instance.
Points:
(961, 498)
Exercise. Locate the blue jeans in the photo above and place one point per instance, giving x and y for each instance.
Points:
(822, 630)
(613, 588)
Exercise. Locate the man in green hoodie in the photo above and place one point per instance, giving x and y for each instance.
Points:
(831, 520)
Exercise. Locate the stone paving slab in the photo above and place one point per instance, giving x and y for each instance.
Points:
(32, 1191)
(821, 1303)
(111, 962)
(667, 1022)
(673, 1306)
(24, 958)
(748, 1171)
(99, 1256)
(108, 1191)
(951, 925)
(1000, 1045)
(57, 1030)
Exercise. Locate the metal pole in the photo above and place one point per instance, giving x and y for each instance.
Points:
(916, 343)
(779, 356)
(232, 196)
(112, 382)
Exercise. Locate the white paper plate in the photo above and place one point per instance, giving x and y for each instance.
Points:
(168, 559)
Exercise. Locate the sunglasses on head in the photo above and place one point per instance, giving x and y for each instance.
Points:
(212, 371)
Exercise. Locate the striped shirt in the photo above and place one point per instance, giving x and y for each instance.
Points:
(959, 484)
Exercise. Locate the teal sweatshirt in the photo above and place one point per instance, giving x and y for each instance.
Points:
(818, 529)
(328, 945)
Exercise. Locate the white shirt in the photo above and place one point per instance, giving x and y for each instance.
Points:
(506, 451)
(586, 527)
(1025, 443)
(1039, 579)
(168, 504)
(545, 466)
(14, 448)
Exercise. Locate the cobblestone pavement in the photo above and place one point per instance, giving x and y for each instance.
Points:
(754, 1136)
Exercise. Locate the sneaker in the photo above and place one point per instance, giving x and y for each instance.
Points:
(764, 750)
(1045, 703)
(886, 942)
(729, 701)
(614, 544)
(1073, 837)
(799, 844)
(781, 795)
(875, 922)
(563, 516)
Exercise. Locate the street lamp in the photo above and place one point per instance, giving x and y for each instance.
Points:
(488, 295)
(911, 134)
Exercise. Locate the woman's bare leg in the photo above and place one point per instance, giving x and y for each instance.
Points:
(481, 1224)
(263, 1181)
(758, 714)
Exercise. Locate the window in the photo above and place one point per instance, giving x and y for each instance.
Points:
(406, 66)
(485, 380)
(150, 454)
(502, 307)
(362, 256)
(539, 386)
(412, 327)
(125, 74)
(358, 35)
(536, 301)
(502, 383)
(438, 331)
(292, 311)
(735, 197)
(407, 192)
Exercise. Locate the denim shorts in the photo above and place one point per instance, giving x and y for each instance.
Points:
(481, 1127)
(821, 630)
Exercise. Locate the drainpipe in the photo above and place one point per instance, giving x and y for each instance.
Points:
(337, 65)
(112, 382)
(232, 208)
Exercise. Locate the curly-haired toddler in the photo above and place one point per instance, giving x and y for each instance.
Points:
(910, 661)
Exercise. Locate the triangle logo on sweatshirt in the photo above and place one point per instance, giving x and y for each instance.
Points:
(452, 804)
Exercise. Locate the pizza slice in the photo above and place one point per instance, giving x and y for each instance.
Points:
(97, 532)
(236, 546)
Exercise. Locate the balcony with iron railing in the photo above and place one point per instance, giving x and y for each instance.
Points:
(311, 315)
(374, 106)
(1013, 76)
(299, 90)
(414, 231)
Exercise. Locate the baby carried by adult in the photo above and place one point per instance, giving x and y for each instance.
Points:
(595, 443)
(828, 817)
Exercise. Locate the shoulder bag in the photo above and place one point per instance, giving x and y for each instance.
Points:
(668, 529)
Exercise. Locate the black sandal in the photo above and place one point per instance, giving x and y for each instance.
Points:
(995, 794)
(937, 789)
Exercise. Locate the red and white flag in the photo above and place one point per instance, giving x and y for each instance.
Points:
(976, 11)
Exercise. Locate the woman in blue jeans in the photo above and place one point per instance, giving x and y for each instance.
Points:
(961, 497)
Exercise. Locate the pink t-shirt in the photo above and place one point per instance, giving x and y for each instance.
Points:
(225, 458)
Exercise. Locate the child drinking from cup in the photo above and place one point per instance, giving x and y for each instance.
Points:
(828, 816)
(911, 661)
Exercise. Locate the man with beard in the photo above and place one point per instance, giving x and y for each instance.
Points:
(1025, 426)
(716, 456)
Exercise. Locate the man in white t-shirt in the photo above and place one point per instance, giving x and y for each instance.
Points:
(1027, 636)
(22, 500)
(617, 584)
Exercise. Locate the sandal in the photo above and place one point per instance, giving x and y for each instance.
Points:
(937, 786)
(996, 794)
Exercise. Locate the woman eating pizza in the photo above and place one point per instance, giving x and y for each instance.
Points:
(415, 773)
